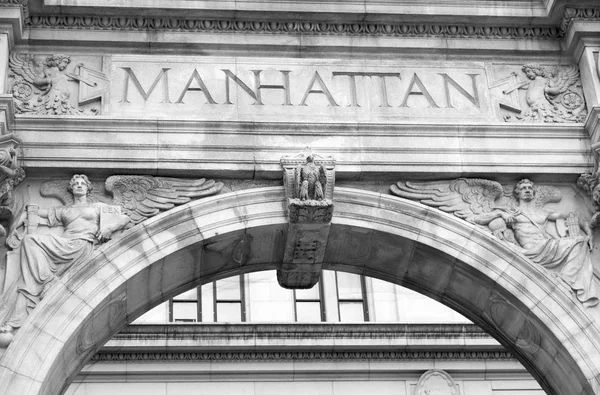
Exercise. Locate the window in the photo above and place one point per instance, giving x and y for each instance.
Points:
(351, 294)
(228, 295)
(184, 307)
(228, 303)
(308, 306)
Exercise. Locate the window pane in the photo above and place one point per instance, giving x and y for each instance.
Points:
(308, 294)
(228, 288)
(185, 311)
(308, 312)
(192, 294)
(351, 312)
(229, 312)
(349, 286)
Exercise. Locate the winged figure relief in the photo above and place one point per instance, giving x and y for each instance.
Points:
(140, 197)
(43, 87)
(552, 95)
(520, 220)
(466, 198)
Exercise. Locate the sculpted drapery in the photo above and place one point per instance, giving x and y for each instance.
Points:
(86, 223)
(522, 226)
(43, 256)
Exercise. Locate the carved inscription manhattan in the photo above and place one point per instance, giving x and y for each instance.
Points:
(228, 88)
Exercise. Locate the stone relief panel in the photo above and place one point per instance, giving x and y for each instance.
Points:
(56, 84)
(298, 89)
(90, 215)
(559, 241)
(538, 93)
(435, 382)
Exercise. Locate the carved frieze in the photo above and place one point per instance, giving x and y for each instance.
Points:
(308, 181)
(520, 220)
(338, 28)
(540, 94)
(52, 85)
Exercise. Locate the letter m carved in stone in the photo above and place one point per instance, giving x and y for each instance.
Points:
(130, 75)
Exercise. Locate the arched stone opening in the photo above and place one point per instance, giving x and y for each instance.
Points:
(377, 235)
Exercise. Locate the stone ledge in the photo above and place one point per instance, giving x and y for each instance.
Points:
(329, 338)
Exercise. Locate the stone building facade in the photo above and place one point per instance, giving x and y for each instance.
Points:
(448, 147)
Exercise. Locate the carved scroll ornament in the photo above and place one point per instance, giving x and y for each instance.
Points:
(519, 220)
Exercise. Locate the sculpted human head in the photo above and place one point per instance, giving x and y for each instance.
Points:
(60, 61)
(310, 158)
(533, 70)
(524, 190)
(80, 185)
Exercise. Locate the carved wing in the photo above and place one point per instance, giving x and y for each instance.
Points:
(297, 180)
(143, 197)
(563, 78)
(26, 66)
(322, 177)
(464, 197)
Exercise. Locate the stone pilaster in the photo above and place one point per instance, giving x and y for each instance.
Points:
(582, 40)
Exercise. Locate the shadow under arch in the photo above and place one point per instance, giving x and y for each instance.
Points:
(373, 234)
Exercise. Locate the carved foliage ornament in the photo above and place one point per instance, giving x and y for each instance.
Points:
(521, 221)
(45, 85)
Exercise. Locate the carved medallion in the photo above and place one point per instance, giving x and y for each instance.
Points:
(436, 382)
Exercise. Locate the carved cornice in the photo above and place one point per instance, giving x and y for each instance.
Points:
(17, 2)
(543, 31)
(578, 14)
(227, 355)
(292, 27)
